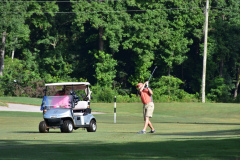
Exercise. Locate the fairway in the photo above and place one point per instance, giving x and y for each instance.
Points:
(183, 131)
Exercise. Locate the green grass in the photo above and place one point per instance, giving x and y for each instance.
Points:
(184, 131)
(21, 100)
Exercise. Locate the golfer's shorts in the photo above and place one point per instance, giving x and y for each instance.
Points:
(148, 109)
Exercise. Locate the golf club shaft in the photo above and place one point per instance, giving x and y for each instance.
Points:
(152, 74)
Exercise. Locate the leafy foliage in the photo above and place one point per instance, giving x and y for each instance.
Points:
(115, 45)
(105, 69)
(219, 90)
(14, 25)
(20, 78)
(103, 94)
(168, 89)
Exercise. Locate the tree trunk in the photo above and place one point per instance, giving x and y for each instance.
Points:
(170, 67)
(2, 53)
(101, 43)
(221, 68)
(13, 52)
(237, 84)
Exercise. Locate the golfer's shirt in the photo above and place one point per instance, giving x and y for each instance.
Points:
(145, 96)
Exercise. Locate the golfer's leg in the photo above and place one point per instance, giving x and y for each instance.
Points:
(150, 125)
(146, 123)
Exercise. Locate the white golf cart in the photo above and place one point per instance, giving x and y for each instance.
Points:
(65, 110)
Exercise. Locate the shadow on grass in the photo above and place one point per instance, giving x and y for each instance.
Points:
(218, 133)
(205, 134)
(36, 132)
(200, 123)
(88, 149)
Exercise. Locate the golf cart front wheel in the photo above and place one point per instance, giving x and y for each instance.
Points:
(43, 127)
(67, 126)
(92, 127)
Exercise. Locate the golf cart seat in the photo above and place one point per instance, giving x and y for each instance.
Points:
(81, 105)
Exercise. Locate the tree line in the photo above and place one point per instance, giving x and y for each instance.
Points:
(114, 44)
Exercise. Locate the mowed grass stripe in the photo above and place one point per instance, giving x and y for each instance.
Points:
(184, 131)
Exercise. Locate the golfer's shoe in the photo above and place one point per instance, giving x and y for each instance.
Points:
(141, 132)
(152, 131)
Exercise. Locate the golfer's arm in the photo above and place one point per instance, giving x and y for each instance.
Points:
(141, 89)
(150, 91)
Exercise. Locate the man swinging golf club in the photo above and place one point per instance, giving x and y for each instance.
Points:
(148, 106)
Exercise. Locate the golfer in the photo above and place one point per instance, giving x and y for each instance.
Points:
(148, 106)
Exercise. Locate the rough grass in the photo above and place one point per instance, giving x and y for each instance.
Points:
(3, 104)
(21, 100)
(184, 131)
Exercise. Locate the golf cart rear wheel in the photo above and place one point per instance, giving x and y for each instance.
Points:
(92, 127)
(43, 127)
(67, 126)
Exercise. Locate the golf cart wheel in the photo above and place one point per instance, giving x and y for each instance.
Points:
(92, 127)
(67, 126)
(43, 127)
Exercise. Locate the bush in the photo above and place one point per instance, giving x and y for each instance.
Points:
(22, 78)
(32, 89)
(18, 78)
(167, 89)
(103, 94)
(128, 99)
(220, 92)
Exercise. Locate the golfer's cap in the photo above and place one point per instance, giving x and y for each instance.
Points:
(139, 84)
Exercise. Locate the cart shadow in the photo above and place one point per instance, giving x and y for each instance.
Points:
(31, 132)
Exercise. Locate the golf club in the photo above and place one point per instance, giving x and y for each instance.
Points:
(151, 74)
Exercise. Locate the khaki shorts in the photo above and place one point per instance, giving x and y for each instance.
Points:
(148, 109)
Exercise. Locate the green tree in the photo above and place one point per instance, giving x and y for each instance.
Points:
(223, 61)
(17, 77)
(183, 25)
(103, 24)
(105, 68)
(12, 15)
(50, 41)
(143, 35)
(106, 17)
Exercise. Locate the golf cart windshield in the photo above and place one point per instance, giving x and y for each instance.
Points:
(67, 95)
(50, 102)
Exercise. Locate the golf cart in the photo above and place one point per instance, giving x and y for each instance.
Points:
(66, 110)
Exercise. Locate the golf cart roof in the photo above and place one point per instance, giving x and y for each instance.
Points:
(68, 84)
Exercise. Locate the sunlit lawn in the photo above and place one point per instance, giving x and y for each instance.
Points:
(184, 131)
